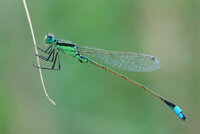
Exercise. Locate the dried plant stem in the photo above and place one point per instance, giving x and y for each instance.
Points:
(36, 51)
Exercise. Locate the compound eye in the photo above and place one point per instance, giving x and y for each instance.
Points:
(49, 39)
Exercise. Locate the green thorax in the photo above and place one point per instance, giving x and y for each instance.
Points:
(67, 47)
(70, 48)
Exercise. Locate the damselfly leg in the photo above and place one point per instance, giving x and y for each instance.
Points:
(45, 51)
(52, 53)
(53, 59)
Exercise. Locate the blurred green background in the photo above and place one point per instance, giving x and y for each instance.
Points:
(91, 100)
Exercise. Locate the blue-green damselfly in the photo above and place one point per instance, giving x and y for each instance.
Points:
(129, 61)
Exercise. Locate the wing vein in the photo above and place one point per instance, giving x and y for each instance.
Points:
(123, 60)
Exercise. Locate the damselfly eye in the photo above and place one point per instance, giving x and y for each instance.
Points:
(49, 39)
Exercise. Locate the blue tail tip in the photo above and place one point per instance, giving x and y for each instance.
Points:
(176, 109)
(179, 113)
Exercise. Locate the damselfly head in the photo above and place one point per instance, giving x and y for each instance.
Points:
(49, 38)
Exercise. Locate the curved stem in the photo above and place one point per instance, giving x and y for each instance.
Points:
(36, 52)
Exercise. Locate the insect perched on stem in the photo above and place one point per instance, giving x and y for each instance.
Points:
(129, 61)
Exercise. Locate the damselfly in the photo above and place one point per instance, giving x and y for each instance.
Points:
(129, 61)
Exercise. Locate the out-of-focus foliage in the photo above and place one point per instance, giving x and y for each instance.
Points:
(91, 100)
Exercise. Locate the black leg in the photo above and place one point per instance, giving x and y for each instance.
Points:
(49, 50)
(53, 66)
(59, 65)
(47, 59)
(52, 57)
(56, 57)
(45, 51)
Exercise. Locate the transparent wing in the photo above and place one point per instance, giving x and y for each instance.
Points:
(123, 60)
